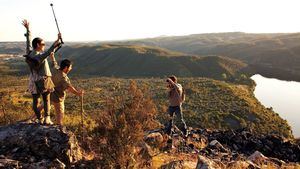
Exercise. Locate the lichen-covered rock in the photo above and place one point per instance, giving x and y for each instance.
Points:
(242, 164)
(8, 163)
(154, 139)
(45, 164)
(33, 144)
(173, 165)
(206, 163)
(257, 157)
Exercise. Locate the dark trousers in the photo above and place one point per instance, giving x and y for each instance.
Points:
(46, 101)
(178, 112)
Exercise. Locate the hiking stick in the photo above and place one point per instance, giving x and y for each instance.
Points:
(56, 23)
(82, 111)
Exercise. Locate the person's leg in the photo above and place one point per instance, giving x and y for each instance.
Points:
(56, 107)
(47, 106)
(35, 102)
(46, 101)
(62, 112)
(183, 127)
(59, 109)
(169, 126)
(40, 107)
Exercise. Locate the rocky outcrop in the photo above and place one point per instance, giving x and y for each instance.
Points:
(242, 143)
(38, 146)
(228, 149)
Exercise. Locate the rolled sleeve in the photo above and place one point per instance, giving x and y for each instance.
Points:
(53, 47)
(66, 83)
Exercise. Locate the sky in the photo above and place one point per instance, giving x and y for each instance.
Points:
(104, 20)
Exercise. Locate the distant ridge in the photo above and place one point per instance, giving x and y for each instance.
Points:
(270, 54)
(274, 55)
(144, 61)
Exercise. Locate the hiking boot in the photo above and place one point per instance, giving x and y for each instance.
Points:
(48, 121)
(37, 121)
(62, 128)
(42, 120)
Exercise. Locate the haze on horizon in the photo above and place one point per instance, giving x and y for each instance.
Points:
(104, 20)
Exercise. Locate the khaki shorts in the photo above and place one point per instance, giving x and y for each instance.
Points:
(60, 111)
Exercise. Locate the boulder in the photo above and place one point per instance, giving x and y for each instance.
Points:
(45, 164)
(154, 139)
(173, 165)
(8, 163)
(242, 164)
(35, 144)
(257, 157)
(206, 163)
(216, 144)
(148, 152)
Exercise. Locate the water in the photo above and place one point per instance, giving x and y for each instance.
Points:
(282, 96)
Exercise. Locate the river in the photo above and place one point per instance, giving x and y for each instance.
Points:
(282, 96)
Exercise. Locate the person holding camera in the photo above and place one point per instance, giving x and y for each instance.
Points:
(176, 97)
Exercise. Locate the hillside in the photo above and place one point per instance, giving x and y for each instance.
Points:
(136, 61)
(141, 61)
(209, 104)
(12, 47)
(272, 55)
(120, 112)
(121, 115)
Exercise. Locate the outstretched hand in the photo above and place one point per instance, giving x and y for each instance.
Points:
(58, 39)
(25, 23)
(59, 36)
(81, 92)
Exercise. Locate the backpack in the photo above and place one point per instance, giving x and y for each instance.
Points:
(33, 63)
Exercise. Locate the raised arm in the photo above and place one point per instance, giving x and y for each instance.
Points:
(25, 23)
(172, 83)
(178, 89)
(53, 47)
(54, 62)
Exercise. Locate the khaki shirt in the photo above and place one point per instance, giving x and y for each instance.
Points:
(175, 95)
(61, 83)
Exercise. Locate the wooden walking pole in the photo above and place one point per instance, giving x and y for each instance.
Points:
(82, 111)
